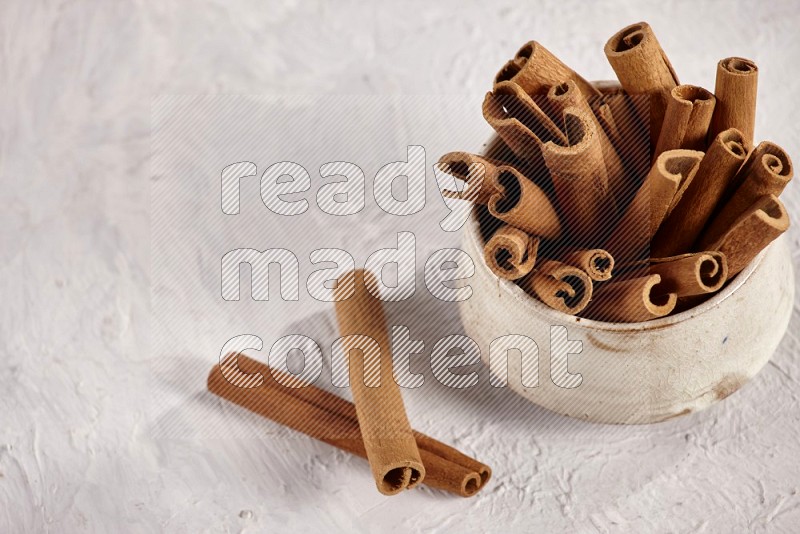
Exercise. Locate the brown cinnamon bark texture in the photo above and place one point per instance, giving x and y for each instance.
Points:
(717, 170)
(668, 178)
(511, 253)
(632, 300)
(522, 204)
(736, 88)
(519, 121)
(567, 95)
(696, 273)
(756, 228)
(535, 69)
(768, 170)
(391, 449)
(560, 286)
(596, 262)
(477, 173)
(580, 180)
(331, 419)
(643, 68)
(686, 119)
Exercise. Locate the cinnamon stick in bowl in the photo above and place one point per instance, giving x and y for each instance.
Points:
(736, 88)
(768, 170)
(632, 300)
(511, 253)
(519, 121)
(686, 119)
(756, 228)
(535, 69)
(696, 273)
(391, 449)
(643, 68)
(521, 203)
(687, 219)
(580, 179)
(560, 286)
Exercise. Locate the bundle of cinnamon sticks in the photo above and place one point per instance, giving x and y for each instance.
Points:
(622, 202)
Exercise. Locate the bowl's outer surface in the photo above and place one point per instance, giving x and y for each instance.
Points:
(644, 372)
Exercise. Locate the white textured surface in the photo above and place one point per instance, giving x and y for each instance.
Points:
(77, 451)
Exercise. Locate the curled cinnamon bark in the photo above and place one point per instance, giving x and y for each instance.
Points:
(477, 173)
(391, 449)
(535, 69)
(670, 175)
(713, 178)
(522, 204)
(691, 274)
(596, 262)
(632, 300)
(768, 170)
(686, 119)
(331, 419)
(580, 179)
(511, 253)
(560, 286)
(756, 228)
(519, 121)
(567, 95)
(642, 67)
(736, 88)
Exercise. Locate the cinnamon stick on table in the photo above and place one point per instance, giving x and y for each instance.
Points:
(643, 68)
(756, 228)
(736, 87)
(768, 170)
(331, 419)
(535, 69)
(686, 119)
(717, 170)
(391, 449)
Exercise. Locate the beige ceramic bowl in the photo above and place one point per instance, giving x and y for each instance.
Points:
(641, 372)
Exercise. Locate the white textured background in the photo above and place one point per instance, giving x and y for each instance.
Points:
(77, 450)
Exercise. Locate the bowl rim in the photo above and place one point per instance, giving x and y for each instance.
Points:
(473, 237)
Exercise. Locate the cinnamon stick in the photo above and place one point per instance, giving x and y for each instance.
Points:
(643, 68)
(580, 179)
(535, 69)
(736, 88)
(631, 300)
(391, 450)
(716, 172)
(519, 121)
(511, 253)
(756, 228)
(670, 175)
(477, 173)
(567, 95)
(696, 273)
(768, 170)
(332, 420)
(560, 286)
(522, 204)
(686, 119)
(596, 262)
